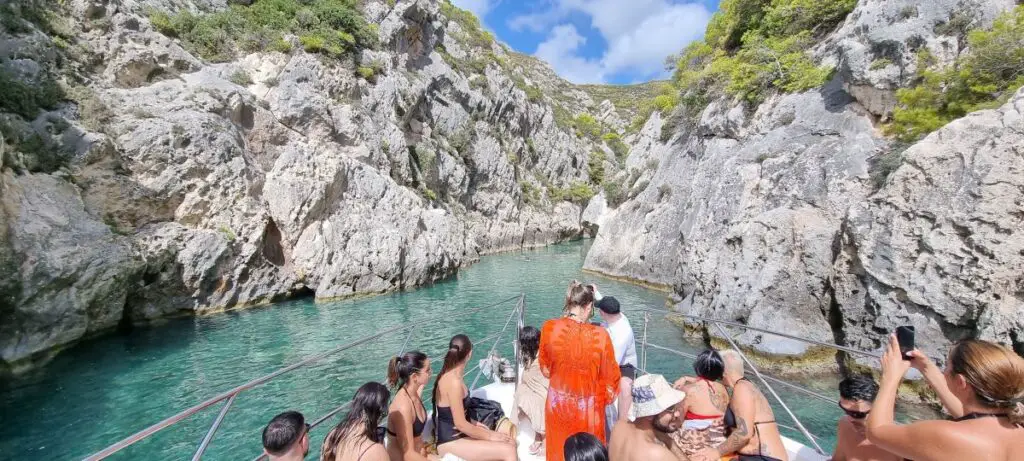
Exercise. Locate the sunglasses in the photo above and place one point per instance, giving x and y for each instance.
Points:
(855, 414)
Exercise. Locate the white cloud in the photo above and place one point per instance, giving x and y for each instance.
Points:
(640, 35)
(479, 7)
(560, 50)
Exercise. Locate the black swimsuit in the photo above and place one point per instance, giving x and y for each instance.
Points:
(730, 423)
(970, 416)
(417, 423)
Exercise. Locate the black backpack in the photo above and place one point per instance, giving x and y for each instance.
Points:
(483, 411)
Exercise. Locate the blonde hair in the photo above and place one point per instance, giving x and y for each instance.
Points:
(994, 372)
(733, 361)
(578, 295)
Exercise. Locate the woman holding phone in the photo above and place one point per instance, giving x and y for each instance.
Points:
(982, 386)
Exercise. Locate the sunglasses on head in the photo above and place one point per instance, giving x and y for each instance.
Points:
(854, 414)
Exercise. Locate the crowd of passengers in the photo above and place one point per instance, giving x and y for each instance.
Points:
(580, 382)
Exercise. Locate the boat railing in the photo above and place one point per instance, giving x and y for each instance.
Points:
(518, 314)
(230, 396)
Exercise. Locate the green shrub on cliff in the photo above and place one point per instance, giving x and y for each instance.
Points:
(577, 192)
(751, 48)
(615, 143)
(984, 78)
(27, 100)
(473, 33)
(588, 126)
(595, 167)
(332, 27)
(790, 17)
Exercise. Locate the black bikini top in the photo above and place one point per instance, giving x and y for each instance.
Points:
(970, 416)
(417, 423)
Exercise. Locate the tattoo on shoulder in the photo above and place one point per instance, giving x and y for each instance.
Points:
(717, 399)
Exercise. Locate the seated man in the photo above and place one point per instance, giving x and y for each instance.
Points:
(652, 416)
(753, 435)
(856, 394)
(286, 437)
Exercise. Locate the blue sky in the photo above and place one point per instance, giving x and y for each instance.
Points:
(597, 41)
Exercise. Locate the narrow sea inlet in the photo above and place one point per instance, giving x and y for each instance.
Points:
(105, 389)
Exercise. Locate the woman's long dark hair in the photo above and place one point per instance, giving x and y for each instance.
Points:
(529, 344)
(369, 406)
(400, 369)
(458, 349)
(583, 446)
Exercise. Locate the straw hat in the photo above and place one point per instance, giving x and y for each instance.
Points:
(652, 395)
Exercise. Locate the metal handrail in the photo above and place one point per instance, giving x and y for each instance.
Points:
(757, 373)
(135, 438)
(495, 345)
(762, 330)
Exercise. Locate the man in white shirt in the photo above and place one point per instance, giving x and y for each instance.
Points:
(621, 333)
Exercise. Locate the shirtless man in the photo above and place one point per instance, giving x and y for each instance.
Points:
(754, 435)
(652, 416)
(856, 395)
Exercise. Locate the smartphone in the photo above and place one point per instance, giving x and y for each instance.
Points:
(905, 336)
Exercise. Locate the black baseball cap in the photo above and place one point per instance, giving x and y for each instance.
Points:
(609, 305)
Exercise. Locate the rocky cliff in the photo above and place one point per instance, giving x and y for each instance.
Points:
(777, 215)
(152, 180)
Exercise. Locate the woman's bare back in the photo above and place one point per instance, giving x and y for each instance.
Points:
(706, 398)
(989, 438)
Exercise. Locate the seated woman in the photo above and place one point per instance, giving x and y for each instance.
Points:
(355, 437)
(533, 390)
(704, 406)
(407, 415)
(982, 386)
(452, 431)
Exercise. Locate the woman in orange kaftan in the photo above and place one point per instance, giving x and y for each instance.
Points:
(580, 361)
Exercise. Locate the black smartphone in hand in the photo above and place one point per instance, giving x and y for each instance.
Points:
(905, 336)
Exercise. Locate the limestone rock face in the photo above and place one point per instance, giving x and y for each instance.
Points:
(877, 47)
(65, 274)
(940, 246)
(741, 223)
(770, 215)
(191, 187)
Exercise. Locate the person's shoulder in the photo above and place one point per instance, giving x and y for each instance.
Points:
(378, 452)
(400, 407)
(551, 323)
(844, 425)
(599, 331)
(657, 451)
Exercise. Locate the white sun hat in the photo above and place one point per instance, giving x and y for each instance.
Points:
(652, 395)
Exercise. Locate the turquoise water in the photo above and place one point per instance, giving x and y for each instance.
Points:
(106, 389)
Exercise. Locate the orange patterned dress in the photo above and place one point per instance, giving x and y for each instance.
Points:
(580, 360)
